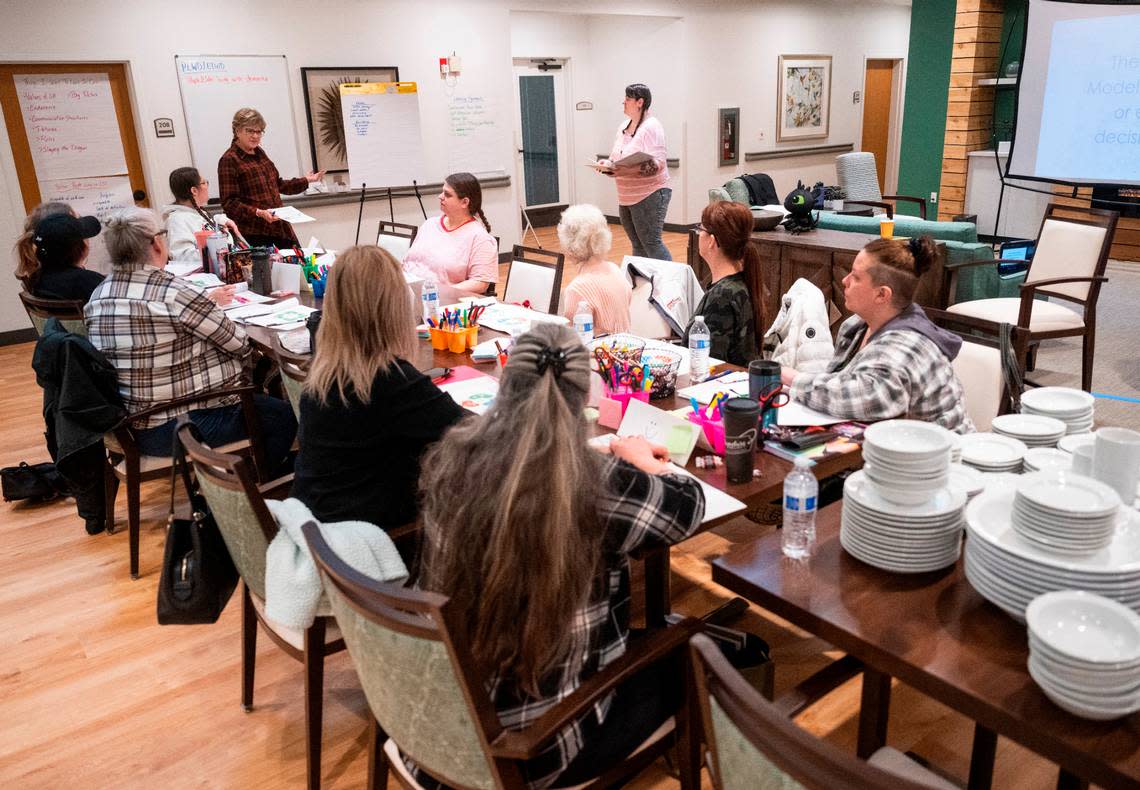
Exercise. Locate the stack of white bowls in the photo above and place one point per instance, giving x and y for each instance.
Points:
(906, 459)
(1046, 459)
(1010, 571)
(1071, 406)
(1065, 512)
(904, 538)
(955, 447)
(991, 452)
(1032, 429)
(1075, 440)
(1084, 653)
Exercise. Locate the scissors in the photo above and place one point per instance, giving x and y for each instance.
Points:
(774, 396)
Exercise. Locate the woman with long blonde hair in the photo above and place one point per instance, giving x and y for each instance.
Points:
(527, 530)
(367, 414)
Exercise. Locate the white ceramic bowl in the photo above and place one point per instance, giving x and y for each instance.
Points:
(1088, 627)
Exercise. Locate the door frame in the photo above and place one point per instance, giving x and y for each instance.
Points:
(564, 127)
(894, 125)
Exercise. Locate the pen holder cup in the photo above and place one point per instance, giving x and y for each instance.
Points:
(319, 287)
(472, 333)
(663, 365)
(713, 430)
(456, 341)
(612, 407)
(438, 339)
(624, 348)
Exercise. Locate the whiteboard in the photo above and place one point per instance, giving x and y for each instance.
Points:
(382, 131)
(214, 87)
(474, 138)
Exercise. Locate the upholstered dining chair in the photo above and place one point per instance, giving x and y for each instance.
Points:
(536, 276)
(294, 370)
(857, 174)
(127, 464)
(395, 237)
(68, 311)
(751, 745)
(990, 368)
(1072, 253)
(237, 503)
(427, 695)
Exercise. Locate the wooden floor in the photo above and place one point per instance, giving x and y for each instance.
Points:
(94, 693)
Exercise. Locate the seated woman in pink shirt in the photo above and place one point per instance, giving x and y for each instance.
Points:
(585, 237)
(456, 249)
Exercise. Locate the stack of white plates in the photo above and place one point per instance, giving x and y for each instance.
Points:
(906, 459)
(967, 479)
(1046, 459)
(1071, 406)
(1084, 653)
(901, 538)
(1064, 512)
(1033, 429)
(1075, 440)
(955, 447)
(1009, 571)
(991, 452)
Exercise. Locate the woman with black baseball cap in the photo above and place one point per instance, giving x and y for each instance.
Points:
(52, 255)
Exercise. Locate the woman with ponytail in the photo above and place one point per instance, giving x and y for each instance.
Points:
(533, 549)
(890, 360)
(51, 253)
(456, 249)
(723, 239)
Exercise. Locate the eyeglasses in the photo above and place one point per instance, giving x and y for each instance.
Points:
(248, 130)
(702, 229)
(160, 233)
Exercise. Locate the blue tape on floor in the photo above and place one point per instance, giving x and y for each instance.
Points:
(1115, 397)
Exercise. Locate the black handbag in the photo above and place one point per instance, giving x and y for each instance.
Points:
(32, 481)
(198, 575)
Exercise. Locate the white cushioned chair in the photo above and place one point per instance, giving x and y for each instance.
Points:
(535, 276)
(1072, 252)
(395, 237)
(857, 174)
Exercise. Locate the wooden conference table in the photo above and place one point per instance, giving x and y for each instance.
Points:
(937, 634)
(759, 491)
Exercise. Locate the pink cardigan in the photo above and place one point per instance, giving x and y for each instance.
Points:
(650, 139)
(602, 286)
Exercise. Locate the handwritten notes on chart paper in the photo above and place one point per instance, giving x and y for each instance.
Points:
(382, 133)
(71, 124)
(475, 143)
(96, 197)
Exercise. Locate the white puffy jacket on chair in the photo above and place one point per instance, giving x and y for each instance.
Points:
(800, 337)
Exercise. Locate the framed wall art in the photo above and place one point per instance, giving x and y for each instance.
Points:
(728, 136)
(322, 109)
(804, 97)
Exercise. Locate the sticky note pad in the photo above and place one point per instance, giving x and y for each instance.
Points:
(609, 413)
(679, 439)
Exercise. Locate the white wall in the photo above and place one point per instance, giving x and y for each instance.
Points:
(696, 56)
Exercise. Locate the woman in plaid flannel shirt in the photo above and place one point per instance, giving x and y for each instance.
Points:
(534, 548)
(890, 360)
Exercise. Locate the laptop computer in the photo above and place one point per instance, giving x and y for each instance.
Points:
(1018, 254)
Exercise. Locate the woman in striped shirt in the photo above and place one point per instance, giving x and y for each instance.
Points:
(643, 188)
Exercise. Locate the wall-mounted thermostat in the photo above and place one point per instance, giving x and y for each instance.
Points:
(584, 105)
(855, 97)
(163, 127)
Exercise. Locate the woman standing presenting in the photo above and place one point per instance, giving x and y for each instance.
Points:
(250, 184)
(643, 189)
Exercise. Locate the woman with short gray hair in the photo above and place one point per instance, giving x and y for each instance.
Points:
(586, 238)
(168, 340)
(250, 185)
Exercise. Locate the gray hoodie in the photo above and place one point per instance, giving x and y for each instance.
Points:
(913, 319)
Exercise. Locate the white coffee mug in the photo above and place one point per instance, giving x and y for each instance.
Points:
(1083, 460)
(1116, 460)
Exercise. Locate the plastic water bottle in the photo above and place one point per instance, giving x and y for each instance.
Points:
(801, 498)
(429, 295)
(584, 323)
(699, 340)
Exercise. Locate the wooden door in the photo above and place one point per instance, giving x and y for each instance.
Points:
(20, 140)
(877, 84)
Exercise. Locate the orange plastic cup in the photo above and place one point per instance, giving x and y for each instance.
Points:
(886, 228)
(472, 333)
(457, 341)
(438, 339)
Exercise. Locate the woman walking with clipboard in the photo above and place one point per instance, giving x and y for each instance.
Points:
(637, 164)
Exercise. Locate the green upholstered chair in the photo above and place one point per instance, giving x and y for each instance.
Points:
(68, 311)
(294, 370)
(966, 232)
(719, 193)
(1072, 253)
(426, 691)
(238, 506)
(753, 747)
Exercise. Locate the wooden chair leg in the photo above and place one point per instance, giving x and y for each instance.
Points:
(110, 491)
(248, 648)
(1088, 348)
(314, 698)
(133, 513)
(689, 734)
(377, 760)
